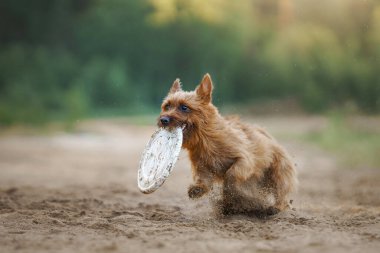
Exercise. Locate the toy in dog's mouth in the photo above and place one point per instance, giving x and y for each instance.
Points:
(159, 157)
(186, 128)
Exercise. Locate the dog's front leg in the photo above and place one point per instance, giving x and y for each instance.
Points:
(203, 179)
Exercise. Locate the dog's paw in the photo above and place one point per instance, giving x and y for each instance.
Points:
(196, 191)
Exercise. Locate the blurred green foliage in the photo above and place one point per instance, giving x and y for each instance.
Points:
(67, 59)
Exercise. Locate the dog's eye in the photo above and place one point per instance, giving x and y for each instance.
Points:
(184, 108)
(167, 107)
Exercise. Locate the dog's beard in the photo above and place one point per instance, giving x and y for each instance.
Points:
(187, 130)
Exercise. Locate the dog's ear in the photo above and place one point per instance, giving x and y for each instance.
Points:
(176, 86)
(204, 89)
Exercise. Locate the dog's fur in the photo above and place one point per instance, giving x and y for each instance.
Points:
(255, 171)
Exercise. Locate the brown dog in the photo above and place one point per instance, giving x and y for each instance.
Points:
(255, 171)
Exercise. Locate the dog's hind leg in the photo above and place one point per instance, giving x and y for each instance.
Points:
(238, 185)
(282, 177)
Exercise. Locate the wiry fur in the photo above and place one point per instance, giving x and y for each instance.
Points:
(255, 171)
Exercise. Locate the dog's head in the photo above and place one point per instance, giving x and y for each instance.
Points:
(190, 110)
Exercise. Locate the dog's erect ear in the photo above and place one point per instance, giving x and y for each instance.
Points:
(204, 89)
(176, 86)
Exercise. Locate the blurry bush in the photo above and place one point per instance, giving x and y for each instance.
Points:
(68, 59)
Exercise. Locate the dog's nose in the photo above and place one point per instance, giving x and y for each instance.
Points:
(165, 120)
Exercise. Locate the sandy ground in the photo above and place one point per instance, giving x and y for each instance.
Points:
(76, 192)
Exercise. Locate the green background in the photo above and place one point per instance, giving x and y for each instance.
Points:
(77, 58)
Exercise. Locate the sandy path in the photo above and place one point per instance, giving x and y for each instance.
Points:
(77, 193)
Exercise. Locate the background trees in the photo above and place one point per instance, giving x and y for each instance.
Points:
(70, 58)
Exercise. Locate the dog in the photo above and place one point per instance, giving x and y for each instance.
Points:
(255, 171)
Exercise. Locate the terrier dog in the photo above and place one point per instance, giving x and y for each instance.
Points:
(256, 173)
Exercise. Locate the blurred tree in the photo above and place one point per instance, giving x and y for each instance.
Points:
(65, 59)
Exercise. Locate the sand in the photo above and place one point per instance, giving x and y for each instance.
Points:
(77, 192)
